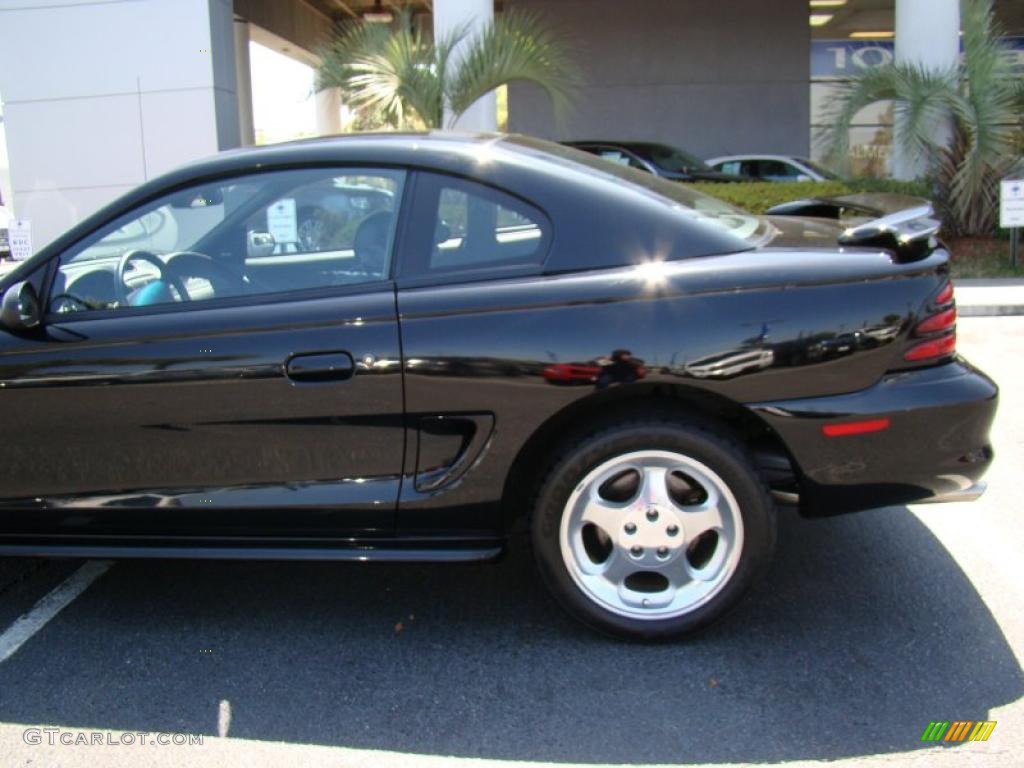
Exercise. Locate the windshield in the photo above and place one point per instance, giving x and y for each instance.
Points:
(756, 230)
(671, 159)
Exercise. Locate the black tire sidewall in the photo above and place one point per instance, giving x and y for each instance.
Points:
(711, 448)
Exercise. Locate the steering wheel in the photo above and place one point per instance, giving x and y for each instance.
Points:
(139, 255)
(224, 280)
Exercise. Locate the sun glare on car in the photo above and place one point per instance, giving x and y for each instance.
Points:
(653, 273)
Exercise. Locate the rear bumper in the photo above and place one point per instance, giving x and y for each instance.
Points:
(936, 447)
(973, 493)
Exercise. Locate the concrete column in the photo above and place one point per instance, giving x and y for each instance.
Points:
(927, 34)
(448, 16)
(328, 111)
(99, 97)
(243, 77)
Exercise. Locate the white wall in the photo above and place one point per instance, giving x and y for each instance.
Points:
(453, 15)
(5, 168)
(928, 36)
(100, 96)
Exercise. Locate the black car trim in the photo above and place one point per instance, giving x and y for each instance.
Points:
(415, 550)
(225, 302)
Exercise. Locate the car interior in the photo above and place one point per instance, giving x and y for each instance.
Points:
(233, 240)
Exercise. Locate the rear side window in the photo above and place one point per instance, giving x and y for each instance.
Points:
(466, 226)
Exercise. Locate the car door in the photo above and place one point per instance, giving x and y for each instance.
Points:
(463, 379)
(201, 372)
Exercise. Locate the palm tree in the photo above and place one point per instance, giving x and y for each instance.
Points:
(980, 99)
(409, 79)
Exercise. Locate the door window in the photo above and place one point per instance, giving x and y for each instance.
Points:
(776, 170)
(250, 235)
(473, 226)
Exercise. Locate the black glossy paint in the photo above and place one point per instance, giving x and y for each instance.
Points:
(418, 409)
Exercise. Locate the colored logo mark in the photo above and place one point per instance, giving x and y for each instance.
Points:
(958, 730)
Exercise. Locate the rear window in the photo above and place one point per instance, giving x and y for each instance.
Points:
(754, 230)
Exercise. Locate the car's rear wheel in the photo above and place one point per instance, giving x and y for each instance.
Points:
(652, 529)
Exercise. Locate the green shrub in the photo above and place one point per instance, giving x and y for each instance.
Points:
(892, 186)
(759, 196)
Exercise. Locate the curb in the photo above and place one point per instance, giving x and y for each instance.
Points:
(990, 310)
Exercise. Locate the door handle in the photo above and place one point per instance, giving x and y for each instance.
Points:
(327, 366)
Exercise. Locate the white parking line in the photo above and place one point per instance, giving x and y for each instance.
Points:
(21, 631)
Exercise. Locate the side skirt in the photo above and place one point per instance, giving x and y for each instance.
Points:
(390, 551)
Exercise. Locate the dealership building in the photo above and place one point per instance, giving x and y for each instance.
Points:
(100, 95)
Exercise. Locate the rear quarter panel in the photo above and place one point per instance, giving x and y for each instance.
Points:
(751, 327)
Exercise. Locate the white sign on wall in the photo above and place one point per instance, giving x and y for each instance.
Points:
(1011, 203)
(19, 235)
(282, 222)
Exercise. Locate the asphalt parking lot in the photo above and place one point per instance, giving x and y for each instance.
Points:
(867, 627)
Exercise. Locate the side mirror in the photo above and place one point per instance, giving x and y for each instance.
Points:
(19, 310)
(259, 244)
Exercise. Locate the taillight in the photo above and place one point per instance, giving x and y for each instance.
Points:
(943, 321)
(940, 347)
(941, 326)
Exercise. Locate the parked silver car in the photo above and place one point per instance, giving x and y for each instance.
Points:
(772, 168)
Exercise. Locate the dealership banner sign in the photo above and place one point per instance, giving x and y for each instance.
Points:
(845, 58)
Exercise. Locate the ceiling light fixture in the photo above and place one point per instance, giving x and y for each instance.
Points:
(827, 3)
(881, 35)
(820, 19)
(378, 15)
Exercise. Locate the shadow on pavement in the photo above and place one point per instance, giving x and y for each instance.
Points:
(864, 631)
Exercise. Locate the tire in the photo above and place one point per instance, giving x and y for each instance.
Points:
(652, 529)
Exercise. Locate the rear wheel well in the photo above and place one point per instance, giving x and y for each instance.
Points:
(583, 417)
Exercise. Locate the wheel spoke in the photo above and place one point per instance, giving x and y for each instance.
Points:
(655, 487)
(617, 567)
(706, 516)
(676, 571)
(646, 601)
(606, 515)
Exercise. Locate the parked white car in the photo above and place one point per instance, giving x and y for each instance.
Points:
(772, 167)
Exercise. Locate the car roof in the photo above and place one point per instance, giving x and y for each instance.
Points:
(641, 146)
(784, 158)
(568, 185)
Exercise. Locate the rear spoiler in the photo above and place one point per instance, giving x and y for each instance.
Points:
(872, 205)
(911, 234)
(900, 223)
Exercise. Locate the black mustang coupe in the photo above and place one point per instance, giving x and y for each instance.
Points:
(487, 335)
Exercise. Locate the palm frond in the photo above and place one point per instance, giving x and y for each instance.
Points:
(842, 106)
(980, 100)
(516, 46)
(924, 99)
(986, 111)
(388, 70)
